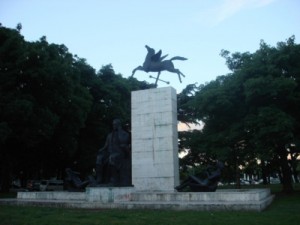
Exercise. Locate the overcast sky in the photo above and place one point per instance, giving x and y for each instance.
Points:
(116, 31)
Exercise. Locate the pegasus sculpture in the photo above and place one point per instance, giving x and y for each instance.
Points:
(154, 62)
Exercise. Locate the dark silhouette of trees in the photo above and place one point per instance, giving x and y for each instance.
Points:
(55, 110)
(250, 114)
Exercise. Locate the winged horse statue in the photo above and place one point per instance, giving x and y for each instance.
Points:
(154, 62)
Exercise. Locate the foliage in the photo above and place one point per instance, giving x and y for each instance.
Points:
(251, 113)
(55, 110)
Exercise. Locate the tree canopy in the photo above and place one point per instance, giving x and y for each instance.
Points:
(251, 114)
(55, 109)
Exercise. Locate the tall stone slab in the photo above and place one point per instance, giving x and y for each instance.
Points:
(154, 139)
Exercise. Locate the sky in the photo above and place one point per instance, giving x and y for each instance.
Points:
(116, 31)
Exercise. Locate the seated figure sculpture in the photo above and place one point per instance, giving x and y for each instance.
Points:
(112, 161)
(207, 184)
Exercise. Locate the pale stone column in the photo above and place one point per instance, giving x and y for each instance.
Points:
(154, 139)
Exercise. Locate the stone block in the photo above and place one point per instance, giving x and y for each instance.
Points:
(154, 139)
(108, 194)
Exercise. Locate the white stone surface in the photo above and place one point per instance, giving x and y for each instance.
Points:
(129, 198)
(108, 194)
(52, 195)
(222, 195)
(154, 139)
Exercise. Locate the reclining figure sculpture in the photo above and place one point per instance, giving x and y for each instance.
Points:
(207, 184)
(73, 181)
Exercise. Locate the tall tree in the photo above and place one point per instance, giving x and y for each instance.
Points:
(55, 110)
(43, 104)
(253, 112)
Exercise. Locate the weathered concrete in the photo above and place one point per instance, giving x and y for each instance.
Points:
(225, 195)
(129, 198)
(245, 199)
(108, 195)
(154, 139)
(52, 195)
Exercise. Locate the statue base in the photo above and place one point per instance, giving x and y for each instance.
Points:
(108, 194)
(130, 198)
(155, 165)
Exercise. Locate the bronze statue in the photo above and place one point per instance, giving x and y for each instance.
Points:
(112, 167)
(207, 183)
(73, 181)
(154, 62)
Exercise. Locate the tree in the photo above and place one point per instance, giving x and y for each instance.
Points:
(43, 104)
(55, 110)
(253, 112)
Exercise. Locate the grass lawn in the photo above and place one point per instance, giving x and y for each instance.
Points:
(284, 210)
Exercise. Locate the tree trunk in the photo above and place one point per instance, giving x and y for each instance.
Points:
(237, 176)
(287, 186)
(5, 171)
(294, 167)
(5, 179)
(264, 172)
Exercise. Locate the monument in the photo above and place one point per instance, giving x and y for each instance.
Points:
(155, 170)
(154, 62)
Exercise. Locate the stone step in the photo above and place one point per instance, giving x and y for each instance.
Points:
(129, 198)
(243, 195)
(165, 205)
(52, 195)
(201, 206)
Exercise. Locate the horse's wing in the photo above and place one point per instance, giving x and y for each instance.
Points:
(162, 58)
(156, 57)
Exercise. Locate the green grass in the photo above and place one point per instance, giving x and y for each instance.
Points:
(284, 210)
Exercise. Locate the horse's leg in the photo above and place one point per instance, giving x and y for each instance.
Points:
(169, 66)
(138, 68)
(173, 70)
(157, 78)
(179, 74)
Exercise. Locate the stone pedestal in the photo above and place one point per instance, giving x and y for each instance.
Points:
(108, 194)
(154, 139)
(129, 198)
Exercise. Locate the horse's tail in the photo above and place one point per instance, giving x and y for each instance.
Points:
(178, 58)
